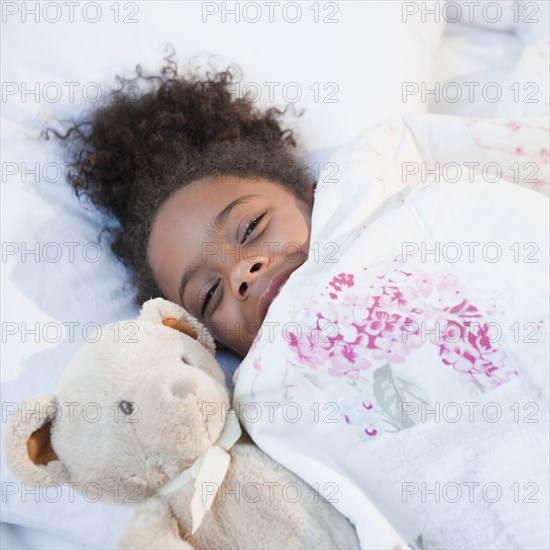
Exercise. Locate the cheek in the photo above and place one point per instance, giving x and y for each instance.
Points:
(228, 324)
(296, 231)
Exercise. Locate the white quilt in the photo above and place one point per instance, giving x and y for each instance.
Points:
(66, 292)
(406, 362)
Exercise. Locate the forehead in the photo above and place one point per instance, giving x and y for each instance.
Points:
(200, 201)
(182, 223)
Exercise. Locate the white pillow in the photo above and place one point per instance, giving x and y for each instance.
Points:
(349, 66)
(494, 69)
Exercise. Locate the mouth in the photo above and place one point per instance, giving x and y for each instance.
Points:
(273, 290)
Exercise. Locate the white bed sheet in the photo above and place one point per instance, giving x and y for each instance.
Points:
(466, 50)
(38, 213)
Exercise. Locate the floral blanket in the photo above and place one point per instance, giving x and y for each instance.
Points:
(402, 371)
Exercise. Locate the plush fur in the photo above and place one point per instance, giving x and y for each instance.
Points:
(131, 413)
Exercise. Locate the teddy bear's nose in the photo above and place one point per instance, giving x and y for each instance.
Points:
(181, 388)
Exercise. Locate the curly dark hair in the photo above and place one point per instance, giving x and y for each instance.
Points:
(156, 134)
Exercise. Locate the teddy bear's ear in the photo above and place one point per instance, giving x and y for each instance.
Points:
(159, 310)
(27, 442)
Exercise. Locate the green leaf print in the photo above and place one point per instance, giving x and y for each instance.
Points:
(396, 395)
(419, 544)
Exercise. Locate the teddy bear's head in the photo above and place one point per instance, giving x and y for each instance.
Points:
(132, 410)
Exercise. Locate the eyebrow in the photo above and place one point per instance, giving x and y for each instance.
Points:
(213, 228)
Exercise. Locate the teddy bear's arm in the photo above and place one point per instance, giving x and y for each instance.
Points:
(151, 526)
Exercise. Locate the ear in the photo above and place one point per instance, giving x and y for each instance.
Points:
(28, 445)
(159, 310)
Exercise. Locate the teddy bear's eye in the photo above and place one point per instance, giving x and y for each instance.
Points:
(126, 407)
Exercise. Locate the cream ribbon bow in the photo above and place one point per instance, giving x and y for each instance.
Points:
(208, 470)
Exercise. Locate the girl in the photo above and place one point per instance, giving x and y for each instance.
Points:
(208, 190)
(374, 339)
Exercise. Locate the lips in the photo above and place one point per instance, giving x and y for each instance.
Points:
(272, 290)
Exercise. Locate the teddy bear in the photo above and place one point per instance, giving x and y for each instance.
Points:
(167, 441)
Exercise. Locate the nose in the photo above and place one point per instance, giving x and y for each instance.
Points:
(245, 272)
(182, 387)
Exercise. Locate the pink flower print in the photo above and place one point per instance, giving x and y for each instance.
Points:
(258, 368)
(392, 350)
(544, 155)
(295, 343)
(392, 297)
(514, 126)
(410, 293)
(340, 369)
(352, 333)
(376, 285)
(371, 430)
(479, 336)
(447, 331)
(381, 321)
(256, 340)
(410, 331)
(349, 354)
(319, 357)
(384, 313)
(367, 404)
(340, 282)
(328, 332)
(345, 361)
(518, 151)
(398, 277)
(356, 315)
(447, 282)
(422, 289)
(449, 293)
(454, 354)
(352, 298)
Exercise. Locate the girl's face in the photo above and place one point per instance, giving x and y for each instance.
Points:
(217, 244)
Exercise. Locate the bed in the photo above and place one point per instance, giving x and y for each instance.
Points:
(349, 65)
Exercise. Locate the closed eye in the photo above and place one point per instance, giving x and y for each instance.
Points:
(207, 297)
(251, 226)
